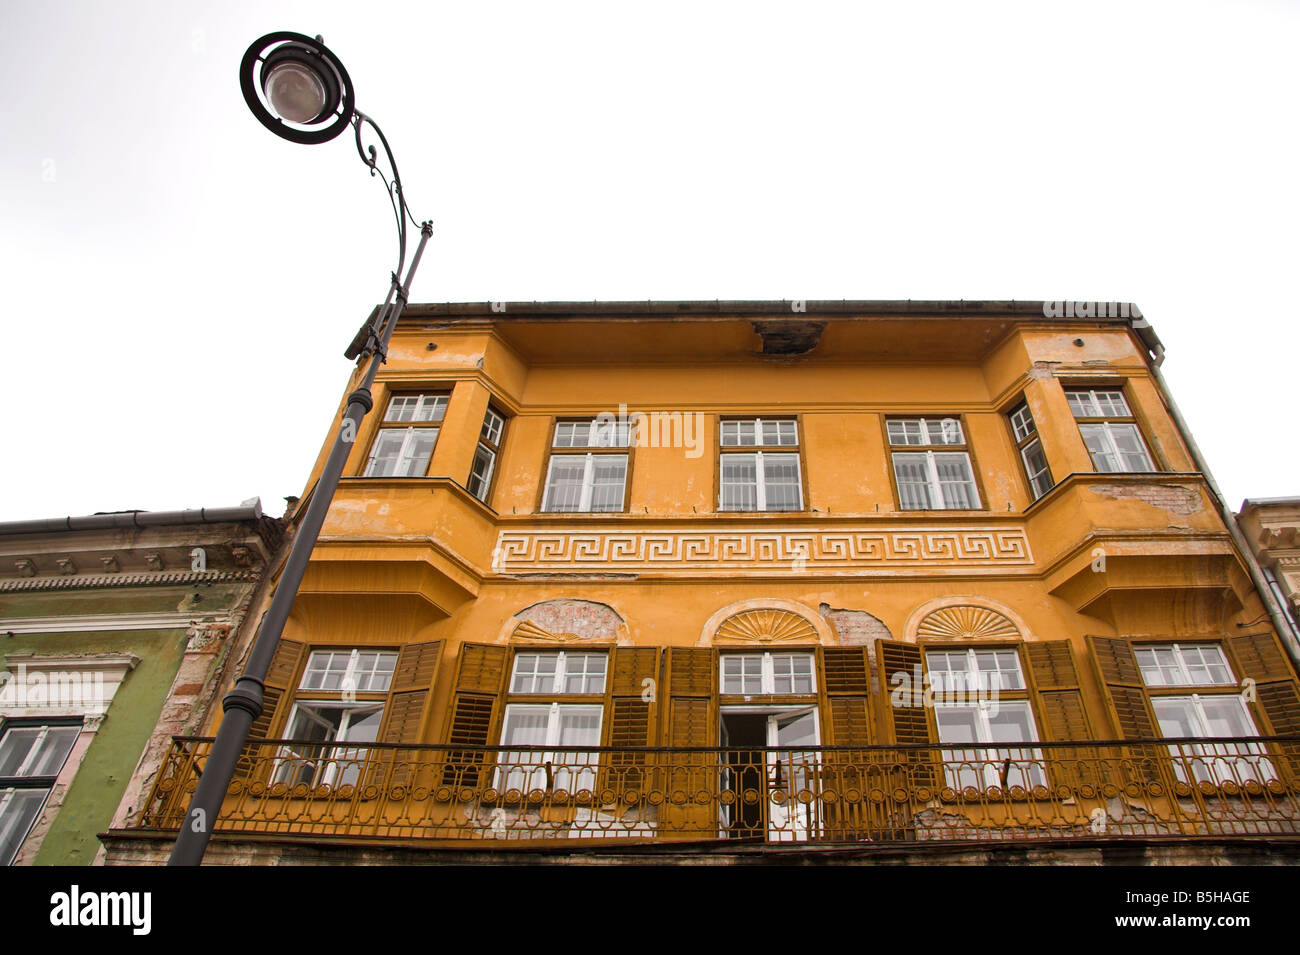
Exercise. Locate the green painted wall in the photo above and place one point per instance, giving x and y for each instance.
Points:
(101, 780)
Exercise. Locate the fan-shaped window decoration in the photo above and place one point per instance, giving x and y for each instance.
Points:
(966, 623)
(766, 626)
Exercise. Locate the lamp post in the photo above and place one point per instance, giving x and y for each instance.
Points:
(300, 91)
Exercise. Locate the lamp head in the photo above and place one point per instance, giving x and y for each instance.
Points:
(297, 88)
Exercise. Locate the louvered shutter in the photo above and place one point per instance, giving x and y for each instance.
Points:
(1130, 709)
(1121, 680)
(846, 690)
(256, 757)
(414, 678)
(692, 697)
(905, 714)
(692, 720)
(631, 715)
(1056, 683)
(480, 674)
(1062, 717)
(1258, 657)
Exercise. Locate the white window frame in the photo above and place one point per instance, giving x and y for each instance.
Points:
(588, 484)
(760, 482)
(405, 455)
(1027, 766)
(1024, 430)
(560, 677)
(934, 484)
(1184, 670)
(758, 432)
(1106, 425)
(573, 775)
(973, 678)
(945, 424)
(767, 680)
(334, 764)
(1216, 762)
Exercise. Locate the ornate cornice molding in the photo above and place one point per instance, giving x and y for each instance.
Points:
(127, 580)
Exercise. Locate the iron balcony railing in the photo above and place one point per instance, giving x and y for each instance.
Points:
(830, 794)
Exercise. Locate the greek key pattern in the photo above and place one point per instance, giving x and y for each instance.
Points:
(741, 549)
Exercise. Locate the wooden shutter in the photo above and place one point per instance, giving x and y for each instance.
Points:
(1130, 710)
(480, 675)
(630, 715)
(1055, 682)
(414, 678)
(255, 761)
(908, 722)
(1061, 714)
(692, 697)
(1258, 657)
(1126, 695)
(846, 694)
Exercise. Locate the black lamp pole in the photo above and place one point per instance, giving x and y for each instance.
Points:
(310, 100)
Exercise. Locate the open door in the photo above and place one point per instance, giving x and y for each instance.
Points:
(767, 766)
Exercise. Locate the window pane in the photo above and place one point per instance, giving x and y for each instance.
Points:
(742, 673)
(792, 673)
(1040, 479)
(944, 431)
(1081, 404)
(739, 482)
(1099, 445)
(36, 750)
(1111, 403)
(584, 672)
(385, 452)
(480, 473)
(912, 474)
(564, 483)
(416, 408)
(525, 726)
(609, 473)
(1132, 452)
(416, 452)
(492, 425)
(1022, 424)
(18, 812)
(779, 433)
(738, 433)
(956, 480)
(781, 482)
(535, 672)
(905, 431)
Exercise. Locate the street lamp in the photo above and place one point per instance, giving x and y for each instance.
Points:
(300, 91)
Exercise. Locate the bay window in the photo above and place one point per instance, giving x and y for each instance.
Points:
(406, 451)
(1109, 430)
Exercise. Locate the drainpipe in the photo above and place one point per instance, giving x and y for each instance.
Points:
(1148, 337)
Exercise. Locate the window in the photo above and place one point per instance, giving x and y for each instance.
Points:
(485, 456)
(340, 700)
(765, 479)
(594, 480)
(1031, 451)
(1109, 430)
(31, 756)
(756, 674)
(1221, 712)
(553, 723)
(405, 452)
(932, 480)
(971, 708)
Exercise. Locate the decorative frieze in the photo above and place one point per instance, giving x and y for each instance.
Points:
(786, 550)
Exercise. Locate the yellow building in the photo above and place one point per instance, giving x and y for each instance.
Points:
(717, 578)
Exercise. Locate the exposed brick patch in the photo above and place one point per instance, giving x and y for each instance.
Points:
(187, 689)
(1174, 498)
(586, 618)
(856, 627)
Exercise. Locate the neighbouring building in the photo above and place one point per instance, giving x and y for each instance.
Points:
(113, 631)
(1272, 528)
(727, 581)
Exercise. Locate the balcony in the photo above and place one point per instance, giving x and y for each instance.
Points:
(493, 797)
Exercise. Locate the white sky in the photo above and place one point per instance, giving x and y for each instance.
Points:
(176, 301)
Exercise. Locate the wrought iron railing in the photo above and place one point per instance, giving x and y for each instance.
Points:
(829, 794)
